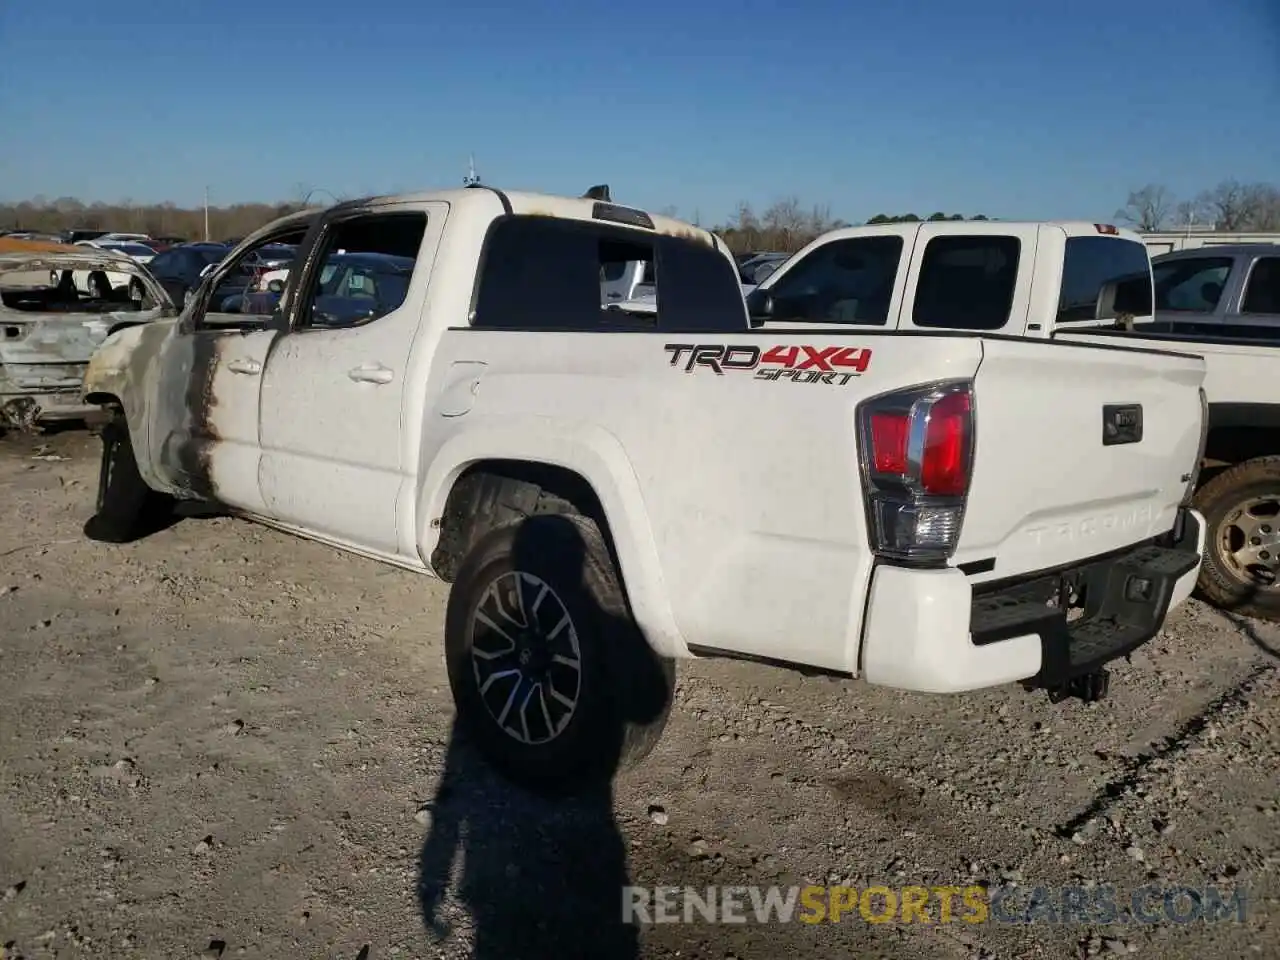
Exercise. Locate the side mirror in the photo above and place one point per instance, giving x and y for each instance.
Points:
(760, 306)
(276, 286)
(1128, 296)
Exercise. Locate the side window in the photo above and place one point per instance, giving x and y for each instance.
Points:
(544, 273)
(1262, 294)
(1192, 285)
(967, 283)
(364, 270)
(845, 281)
(698, 288)
(229, 294)
(1090, 264)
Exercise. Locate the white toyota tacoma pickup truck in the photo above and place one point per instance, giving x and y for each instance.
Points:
(1082, 283)
(608, 492)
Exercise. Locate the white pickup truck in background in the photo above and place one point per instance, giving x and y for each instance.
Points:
(608, 492)
(1082, 283)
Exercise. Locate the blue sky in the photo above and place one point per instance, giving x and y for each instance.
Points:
(1014, 109)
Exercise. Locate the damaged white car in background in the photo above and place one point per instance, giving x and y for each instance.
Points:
(48, 329)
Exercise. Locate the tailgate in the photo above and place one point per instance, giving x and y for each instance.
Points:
(1081, 450)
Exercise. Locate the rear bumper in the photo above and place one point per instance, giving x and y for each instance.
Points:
(933, 631)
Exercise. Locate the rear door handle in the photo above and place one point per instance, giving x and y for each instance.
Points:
(372, 373)
(252, 367)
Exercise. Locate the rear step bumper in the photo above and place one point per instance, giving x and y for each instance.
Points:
(1124, 600)
(929, 630)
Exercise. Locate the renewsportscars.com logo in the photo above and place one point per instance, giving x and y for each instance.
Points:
(1099, 905)
(799, 364)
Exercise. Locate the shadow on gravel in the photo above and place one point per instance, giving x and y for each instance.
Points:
(1250, 629)
(542, 874)
(539, 877)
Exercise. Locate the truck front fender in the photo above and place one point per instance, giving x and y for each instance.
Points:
(595, 455)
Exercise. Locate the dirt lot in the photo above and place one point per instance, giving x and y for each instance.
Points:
(223, 741)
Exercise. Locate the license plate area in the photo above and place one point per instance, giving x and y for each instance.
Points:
(1121, 423)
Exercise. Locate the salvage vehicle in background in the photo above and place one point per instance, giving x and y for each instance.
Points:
(1209, 290)
(610, 491)
(180, 268)
(48, 330)
(1086, 283)
(107, 281)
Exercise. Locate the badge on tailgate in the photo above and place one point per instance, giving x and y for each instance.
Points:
(1121, 423)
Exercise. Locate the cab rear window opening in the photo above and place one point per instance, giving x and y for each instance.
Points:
(545, 273)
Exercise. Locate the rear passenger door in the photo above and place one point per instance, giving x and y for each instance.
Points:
(971, 277)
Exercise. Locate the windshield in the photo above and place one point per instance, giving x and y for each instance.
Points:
(1092, 263)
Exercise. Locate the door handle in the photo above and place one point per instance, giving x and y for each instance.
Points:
(372, 373)
(244, 366)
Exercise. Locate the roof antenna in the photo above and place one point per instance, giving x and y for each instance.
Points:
(599, 192)
(472, 179)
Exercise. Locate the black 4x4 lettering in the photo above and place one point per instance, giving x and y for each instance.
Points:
(800, 364)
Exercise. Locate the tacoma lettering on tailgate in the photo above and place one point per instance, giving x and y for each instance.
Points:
(799, 364)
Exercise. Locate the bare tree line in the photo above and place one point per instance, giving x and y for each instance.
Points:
(784, 226)
(1231, 206)
(154, 219)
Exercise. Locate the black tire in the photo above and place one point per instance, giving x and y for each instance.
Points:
(127, 509)
(624, 690)
(1223, 582)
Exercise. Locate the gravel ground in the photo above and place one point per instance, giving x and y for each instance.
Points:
(223, 741)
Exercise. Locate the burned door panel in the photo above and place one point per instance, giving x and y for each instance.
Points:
(205, 423)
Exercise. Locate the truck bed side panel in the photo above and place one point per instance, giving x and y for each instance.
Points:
(750, 495)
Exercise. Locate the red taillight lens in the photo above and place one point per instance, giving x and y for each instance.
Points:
(916, 447)
(889, 442)
(944, 465)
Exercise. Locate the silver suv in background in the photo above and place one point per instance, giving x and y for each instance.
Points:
(1221, 290)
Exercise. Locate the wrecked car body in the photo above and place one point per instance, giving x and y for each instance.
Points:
(48, 331)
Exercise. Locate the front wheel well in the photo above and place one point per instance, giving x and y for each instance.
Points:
(494, 493)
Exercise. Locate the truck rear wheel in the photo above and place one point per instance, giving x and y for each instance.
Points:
(552, 678)
(127, 508)
(1241, 568)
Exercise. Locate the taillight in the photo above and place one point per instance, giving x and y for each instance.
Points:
(917, 447)
(1204, 442)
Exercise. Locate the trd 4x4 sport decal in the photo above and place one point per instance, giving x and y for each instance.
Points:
(800, 364)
